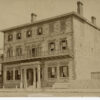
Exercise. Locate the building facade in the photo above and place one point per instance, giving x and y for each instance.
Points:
(50, 52)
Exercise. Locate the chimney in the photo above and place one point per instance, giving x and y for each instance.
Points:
(93, 19)
(80, 8)
(33, 17)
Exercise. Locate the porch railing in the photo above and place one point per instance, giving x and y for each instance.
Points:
(37, 55)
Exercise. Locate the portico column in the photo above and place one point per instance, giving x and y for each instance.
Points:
(4, 75)
(39, 77)
(21, 77)
(58, 73)
(25, 79)
(13, 73)
(34, 81)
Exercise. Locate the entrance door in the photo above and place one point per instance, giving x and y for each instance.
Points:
(29, 77)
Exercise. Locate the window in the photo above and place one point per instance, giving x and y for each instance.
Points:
(52, 72)
(18, 51)
(28, 49)
(64, 44)
(52, 46)
(29, 33)
(18, 36)
(39, 31)
(64, 72)
(10, 75)
(33, 52)
(51, 27)
(17, 75)
(10, 37)
(63, 24)
(10, 52)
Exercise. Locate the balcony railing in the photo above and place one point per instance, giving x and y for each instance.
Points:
(39, 55)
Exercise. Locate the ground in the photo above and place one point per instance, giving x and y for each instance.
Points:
(48, 93)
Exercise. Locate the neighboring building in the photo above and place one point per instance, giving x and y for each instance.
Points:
(52, 52)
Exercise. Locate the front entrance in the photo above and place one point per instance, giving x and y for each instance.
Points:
(29, 77)
(33, 77)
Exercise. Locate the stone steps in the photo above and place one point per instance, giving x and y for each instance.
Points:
(78, 84)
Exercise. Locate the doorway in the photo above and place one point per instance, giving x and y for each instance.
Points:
(29, 77)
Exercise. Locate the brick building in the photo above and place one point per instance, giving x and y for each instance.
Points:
(52, 52)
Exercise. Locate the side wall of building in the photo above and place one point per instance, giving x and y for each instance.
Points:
(86, 49)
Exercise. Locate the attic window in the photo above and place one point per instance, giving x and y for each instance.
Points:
(29, 33)
(10, 37)
(39, 31)
(18, 36)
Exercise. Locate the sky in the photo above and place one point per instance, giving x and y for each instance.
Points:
(16, 12)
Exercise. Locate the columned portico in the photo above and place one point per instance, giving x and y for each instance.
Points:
(31, 73)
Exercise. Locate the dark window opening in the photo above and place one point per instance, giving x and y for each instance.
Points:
(64, 71)
(18, 36)
(52, 46)
(9, 52)
(10, 37)
(40, 31)
(18, 51)
(29, 33)
(9, 75)
(33, 52)
(17, 75)
(64, 44)
(52, 72)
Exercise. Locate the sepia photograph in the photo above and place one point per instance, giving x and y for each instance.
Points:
(50, 48)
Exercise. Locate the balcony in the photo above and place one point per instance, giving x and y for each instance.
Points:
(38, 56)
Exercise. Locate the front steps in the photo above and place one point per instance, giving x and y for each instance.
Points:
(78, 84)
